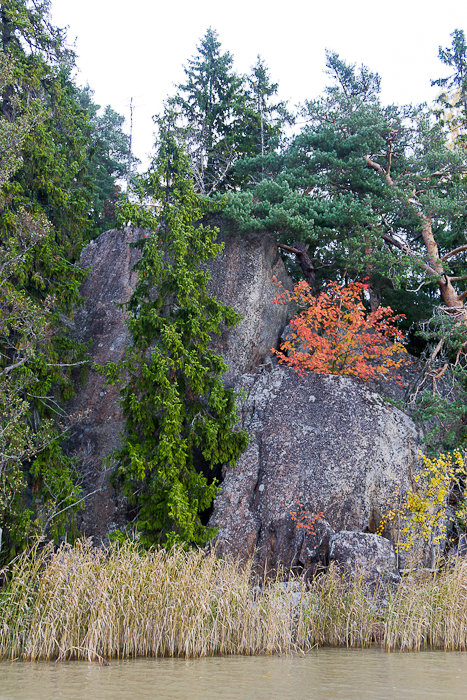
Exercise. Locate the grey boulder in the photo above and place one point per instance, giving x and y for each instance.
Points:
(326, 454)
(363, 553)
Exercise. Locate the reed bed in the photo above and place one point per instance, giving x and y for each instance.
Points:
(84, 603)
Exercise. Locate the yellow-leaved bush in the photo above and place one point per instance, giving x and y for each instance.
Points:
(424, 514)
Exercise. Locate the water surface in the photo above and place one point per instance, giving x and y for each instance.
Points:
(327, 674)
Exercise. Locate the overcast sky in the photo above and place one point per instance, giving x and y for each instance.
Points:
(137, 49)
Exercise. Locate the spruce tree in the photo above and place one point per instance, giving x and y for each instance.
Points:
(268, 115)
(452, 101)
(47, 188)
(32, 352)
(108, 149)
(173, 399)
(210, 106)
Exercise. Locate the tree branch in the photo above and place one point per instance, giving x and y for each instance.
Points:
(454, 252)
(461, 278)
(9, 369)
(288, 248)
(72, 505)
(379, 169)
(408, 250)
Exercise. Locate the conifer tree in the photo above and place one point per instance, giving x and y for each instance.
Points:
(173, 399)
(52, 177)
(366, 190)
(74, 155)
(452, 100)
(31, 357)
(47, 204)
(108, 149)
(263, 121)
(210, 106)
(261, 91)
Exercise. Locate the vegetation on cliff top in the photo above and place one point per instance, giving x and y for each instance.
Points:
(56, 181)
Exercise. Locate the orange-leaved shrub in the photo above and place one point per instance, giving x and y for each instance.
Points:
(335, 334)
(303, 519)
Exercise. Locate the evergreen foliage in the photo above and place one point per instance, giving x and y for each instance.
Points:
(378, 192)
(452, 101)
(46, 214)
(32, 353)
(353, 193)
(264, 119)
(52, 177)
(37, 282)
(224, 117)
(362, 190)
(108, 151)
(173, 398)
(210, 110)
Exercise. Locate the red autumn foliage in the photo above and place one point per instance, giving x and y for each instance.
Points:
(305, 520)
(335, 334)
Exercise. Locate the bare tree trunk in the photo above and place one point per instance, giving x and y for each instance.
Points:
(375, 300)
(130, 157)
(306, 263)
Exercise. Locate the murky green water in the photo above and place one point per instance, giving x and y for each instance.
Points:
(328, 674)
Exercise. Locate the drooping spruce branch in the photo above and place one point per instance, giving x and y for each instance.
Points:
(173, 399)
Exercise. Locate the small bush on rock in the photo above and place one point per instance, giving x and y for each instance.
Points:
(334, 334)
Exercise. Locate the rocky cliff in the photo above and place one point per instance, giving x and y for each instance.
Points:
(241, 277)
(101, 323)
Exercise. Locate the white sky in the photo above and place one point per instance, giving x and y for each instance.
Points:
(138, 49)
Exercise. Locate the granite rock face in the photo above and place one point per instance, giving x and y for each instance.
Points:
(241, 277)
(325, 455)
(100, 322)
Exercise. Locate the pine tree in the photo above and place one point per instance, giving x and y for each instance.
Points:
(173, 399)
(372, 191)
(366, 190)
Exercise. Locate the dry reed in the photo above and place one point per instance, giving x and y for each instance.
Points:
(81, 602)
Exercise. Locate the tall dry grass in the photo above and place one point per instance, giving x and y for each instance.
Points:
(95, 604)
